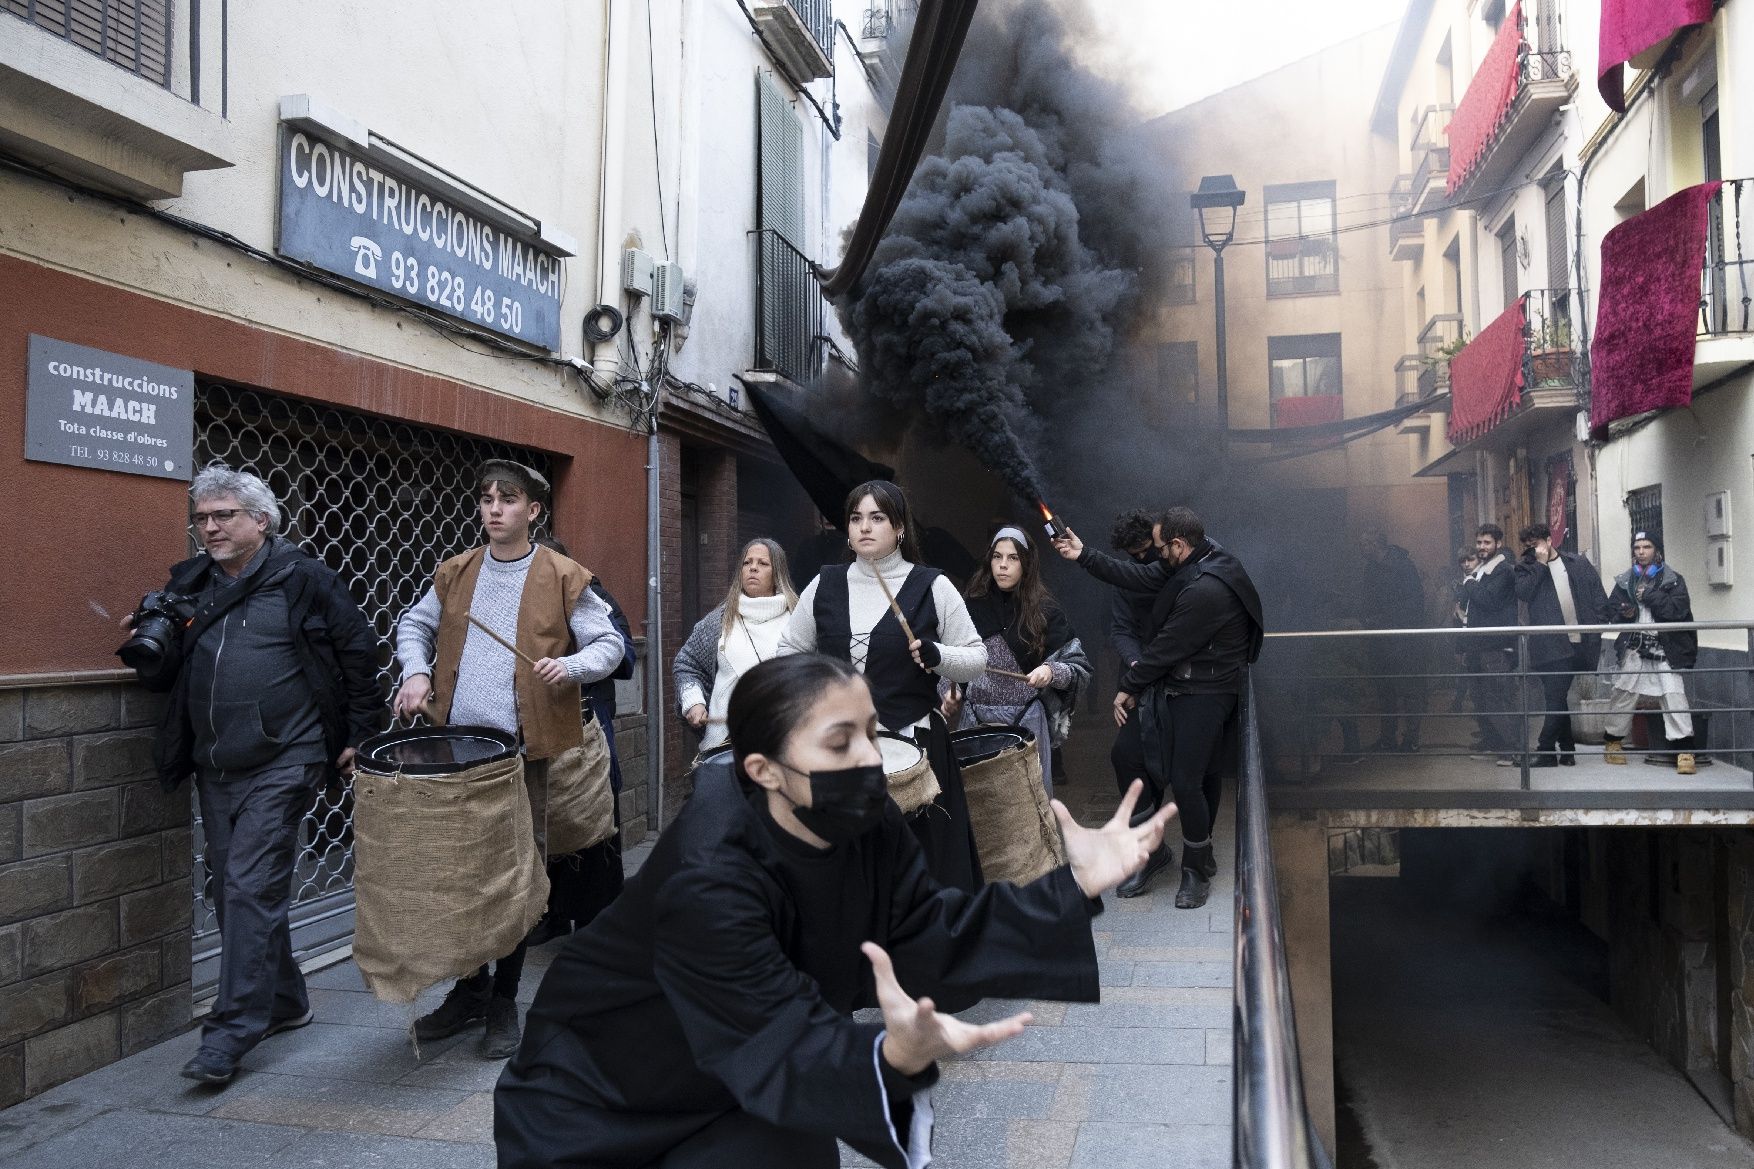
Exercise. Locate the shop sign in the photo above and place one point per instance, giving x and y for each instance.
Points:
(344, 213)
(91, 408)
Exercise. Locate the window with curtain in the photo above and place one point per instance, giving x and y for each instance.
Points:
(1303, 247)
(1303, 379)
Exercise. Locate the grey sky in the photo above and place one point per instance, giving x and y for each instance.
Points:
(1178, 51)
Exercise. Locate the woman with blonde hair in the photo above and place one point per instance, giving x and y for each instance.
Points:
(740, 634)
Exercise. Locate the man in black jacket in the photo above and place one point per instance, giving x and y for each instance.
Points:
(1393, 597)
(275, 687)
(1183, 691)
(1651, 591)
(1558, 588)
(1489, 602)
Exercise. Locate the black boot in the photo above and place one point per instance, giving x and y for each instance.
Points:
(1194, 891)
(1136, 884)
(1568, 754)
(1202, 858)
(503, 1034)
(463, 1007)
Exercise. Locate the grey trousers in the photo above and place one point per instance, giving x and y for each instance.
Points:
(251, 825)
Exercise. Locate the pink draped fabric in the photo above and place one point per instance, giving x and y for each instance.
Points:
(1629, 27)
(1486, 377)
(1559, 476)
(1647, 318)
(1307, 411)
(1484, 106)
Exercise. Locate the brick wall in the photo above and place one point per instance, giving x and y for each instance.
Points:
(95, 864)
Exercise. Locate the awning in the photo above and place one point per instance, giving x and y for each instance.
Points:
(1646, 325)
(1485, 105)
(1486, 377)
(825, 468)
(1638, 31)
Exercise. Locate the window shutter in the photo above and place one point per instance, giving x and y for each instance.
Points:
(781, 141)
(131, 34)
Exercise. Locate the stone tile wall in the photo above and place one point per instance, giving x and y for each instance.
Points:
(95, 863)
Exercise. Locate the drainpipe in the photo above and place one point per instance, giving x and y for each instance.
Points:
(654, 633)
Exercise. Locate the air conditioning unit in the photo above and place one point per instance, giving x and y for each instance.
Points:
(668, 302)
(636, 272)
(786, 29)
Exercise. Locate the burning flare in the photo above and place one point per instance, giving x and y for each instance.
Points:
(1054, 526)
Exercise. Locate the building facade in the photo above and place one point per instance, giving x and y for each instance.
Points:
(359, 253)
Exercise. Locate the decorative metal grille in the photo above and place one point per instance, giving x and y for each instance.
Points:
(381, 502)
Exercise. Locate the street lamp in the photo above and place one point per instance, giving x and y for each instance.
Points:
(1217, 201)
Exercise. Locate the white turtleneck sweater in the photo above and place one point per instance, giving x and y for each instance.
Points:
(754, 638)
(963, 653)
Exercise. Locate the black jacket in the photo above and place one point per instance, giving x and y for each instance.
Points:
(1535, 588)
(1392, 592)
(336, 648)
(602, 693)
(1490, 602)
(1668, 601)
(1205, 621)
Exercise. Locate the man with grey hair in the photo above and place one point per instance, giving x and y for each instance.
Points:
(272, 685)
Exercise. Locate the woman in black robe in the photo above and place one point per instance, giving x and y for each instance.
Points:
(704, 1019)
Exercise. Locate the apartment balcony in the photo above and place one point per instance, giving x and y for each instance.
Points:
(1303, 265)
(118, 96)
(1430, 152)
(1509, 105)
(788, 309)
(1406, 232)
(1522, 373)
(800, 35)
(1726, 285)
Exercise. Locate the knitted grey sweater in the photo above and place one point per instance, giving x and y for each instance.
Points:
(486, 690)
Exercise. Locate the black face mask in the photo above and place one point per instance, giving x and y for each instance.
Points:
(844, 804)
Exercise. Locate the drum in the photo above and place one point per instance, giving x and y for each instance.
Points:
(912, 782)
(447, 874)
(1015, 832)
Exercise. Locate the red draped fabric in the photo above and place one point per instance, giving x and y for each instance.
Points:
(1559, 477)
(1486, 377)
(1647, 316)
(1629, 27)
(1484, 106)
(1308, 411)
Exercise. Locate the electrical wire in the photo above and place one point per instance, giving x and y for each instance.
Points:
(657, 156)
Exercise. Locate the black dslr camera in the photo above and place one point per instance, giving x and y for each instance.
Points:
(155, 648)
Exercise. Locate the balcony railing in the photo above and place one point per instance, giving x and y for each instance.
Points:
(818, 17)
(1404, 227)
(1438, 342)
(1551, 357)
(134, 36)
(788, 308)
(1301, 265)
(1430, 151)
(1726, 285)
(1378, 717)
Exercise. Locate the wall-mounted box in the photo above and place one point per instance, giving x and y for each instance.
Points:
(1717, 514)
(1719, 563)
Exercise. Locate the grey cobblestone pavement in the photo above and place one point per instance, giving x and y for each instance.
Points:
(1141, 1078)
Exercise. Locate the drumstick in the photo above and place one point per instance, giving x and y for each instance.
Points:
(479, 624)
(895, 608)
(1007, 673)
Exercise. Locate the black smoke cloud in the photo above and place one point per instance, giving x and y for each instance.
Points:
(1028, 242)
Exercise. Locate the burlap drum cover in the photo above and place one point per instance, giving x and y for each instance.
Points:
(912, 785)
(581, 805)
(1015, 833)
(446, 874)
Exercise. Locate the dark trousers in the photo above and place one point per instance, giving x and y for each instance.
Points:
(1555, 678)
(1400, 698)
(1127, 756)
(1188, 755)
(1495, 697)
(582, 884)
(251, 827)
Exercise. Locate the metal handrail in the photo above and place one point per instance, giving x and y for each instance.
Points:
(1484, 630)
(1272, 1123)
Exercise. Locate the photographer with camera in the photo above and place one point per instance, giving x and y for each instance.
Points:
(271, 670)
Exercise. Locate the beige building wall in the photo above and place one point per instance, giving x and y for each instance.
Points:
(1305, 123)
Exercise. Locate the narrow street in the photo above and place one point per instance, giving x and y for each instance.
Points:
(1140, 1079)
(1469, 1041)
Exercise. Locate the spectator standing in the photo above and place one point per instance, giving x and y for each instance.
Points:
(1558, 588)
(733, 639)
(1651, 591)
(1489, 602)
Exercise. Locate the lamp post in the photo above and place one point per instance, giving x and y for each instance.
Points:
(1217, 201)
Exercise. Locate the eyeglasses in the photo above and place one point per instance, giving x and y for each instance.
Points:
(222, 516)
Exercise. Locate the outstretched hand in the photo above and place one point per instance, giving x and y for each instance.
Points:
(1102, 858)
(918, 1034)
